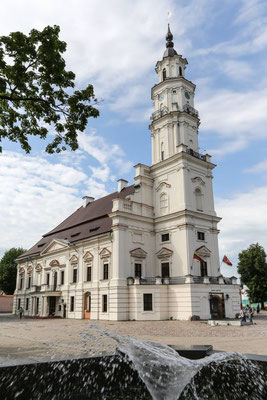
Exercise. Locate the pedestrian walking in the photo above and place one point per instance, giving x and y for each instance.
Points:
(250, 315)
(258, 308)
(21, 311)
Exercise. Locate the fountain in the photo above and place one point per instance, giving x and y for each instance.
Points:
(139, 370)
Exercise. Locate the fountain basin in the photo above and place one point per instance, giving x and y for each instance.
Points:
(114, 378)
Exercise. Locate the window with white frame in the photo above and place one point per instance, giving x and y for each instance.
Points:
(75, 275)
(104, 303)
(148, 302)
(71, 303)
(105, 271)
(137, 270)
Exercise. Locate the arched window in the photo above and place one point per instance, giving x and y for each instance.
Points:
(163, 203)
(162, 151)
(198, 196)
(180, 71)
(164, 74)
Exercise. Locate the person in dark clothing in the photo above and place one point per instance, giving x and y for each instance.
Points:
(258, 308)
(21, 311)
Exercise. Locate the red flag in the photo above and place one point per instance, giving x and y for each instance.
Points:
(227, 261)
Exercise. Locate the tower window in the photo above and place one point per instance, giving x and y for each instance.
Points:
(163, 201)
(164, 74)
(137, 270)
(201, 236)
(180, 71)
(165, 270)
(203, 269)
(165, 237)
(198, 196)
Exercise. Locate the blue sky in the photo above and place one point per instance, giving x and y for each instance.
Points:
(115, 44)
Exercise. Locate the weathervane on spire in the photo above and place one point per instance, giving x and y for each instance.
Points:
(169, 16)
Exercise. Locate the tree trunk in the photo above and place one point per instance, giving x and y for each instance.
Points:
(262, 304)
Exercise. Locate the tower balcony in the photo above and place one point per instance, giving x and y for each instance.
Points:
(160, 113)
(193, 153)
(190, 110)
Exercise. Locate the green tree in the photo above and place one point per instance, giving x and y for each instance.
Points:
(37, 92)
(8, 270)
(252, 268)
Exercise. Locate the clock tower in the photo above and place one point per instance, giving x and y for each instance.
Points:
(175, 121)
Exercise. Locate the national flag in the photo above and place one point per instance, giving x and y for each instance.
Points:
(227, 261)
(197, 257)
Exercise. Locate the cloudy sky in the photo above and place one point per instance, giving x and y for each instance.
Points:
(115, 44)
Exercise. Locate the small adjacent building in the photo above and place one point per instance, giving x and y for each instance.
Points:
(6, 302)
(131, 255)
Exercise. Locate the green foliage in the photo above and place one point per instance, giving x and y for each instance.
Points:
(8, 270)
(252, 268)
(36, 91)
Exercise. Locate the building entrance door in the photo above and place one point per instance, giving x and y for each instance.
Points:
(217, 309)
(52, 305)
(87, 305)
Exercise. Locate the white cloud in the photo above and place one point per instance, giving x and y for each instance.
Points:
(102, 173)
(231, 114)
(237, 70)
(104, 152)
(35, 196)
(244, 221)
(258, 168)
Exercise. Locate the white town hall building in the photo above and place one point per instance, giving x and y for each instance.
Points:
(129, 255)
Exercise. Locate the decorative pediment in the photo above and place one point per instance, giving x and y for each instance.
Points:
(164, 253)
(198, 180)
(74, 259)
(105, 253)
(163, 185)
(21, 271)
(54, 263)
(38, 268)
(29, 269)
(55, 245)
(88, 257)
(203, 251)
(138, 253)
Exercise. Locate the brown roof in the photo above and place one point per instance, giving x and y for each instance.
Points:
(86, 222)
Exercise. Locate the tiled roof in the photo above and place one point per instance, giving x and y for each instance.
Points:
(86, 222)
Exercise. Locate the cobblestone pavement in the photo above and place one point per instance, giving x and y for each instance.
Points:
(59, 338)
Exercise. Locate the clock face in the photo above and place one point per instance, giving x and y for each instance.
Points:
(161, 96)
(187, 95)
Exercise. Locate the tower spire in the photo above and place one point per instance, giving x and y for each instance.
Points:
(170, 51)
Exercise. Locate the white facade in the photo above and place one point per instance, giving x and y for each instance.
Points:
(143, 268)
